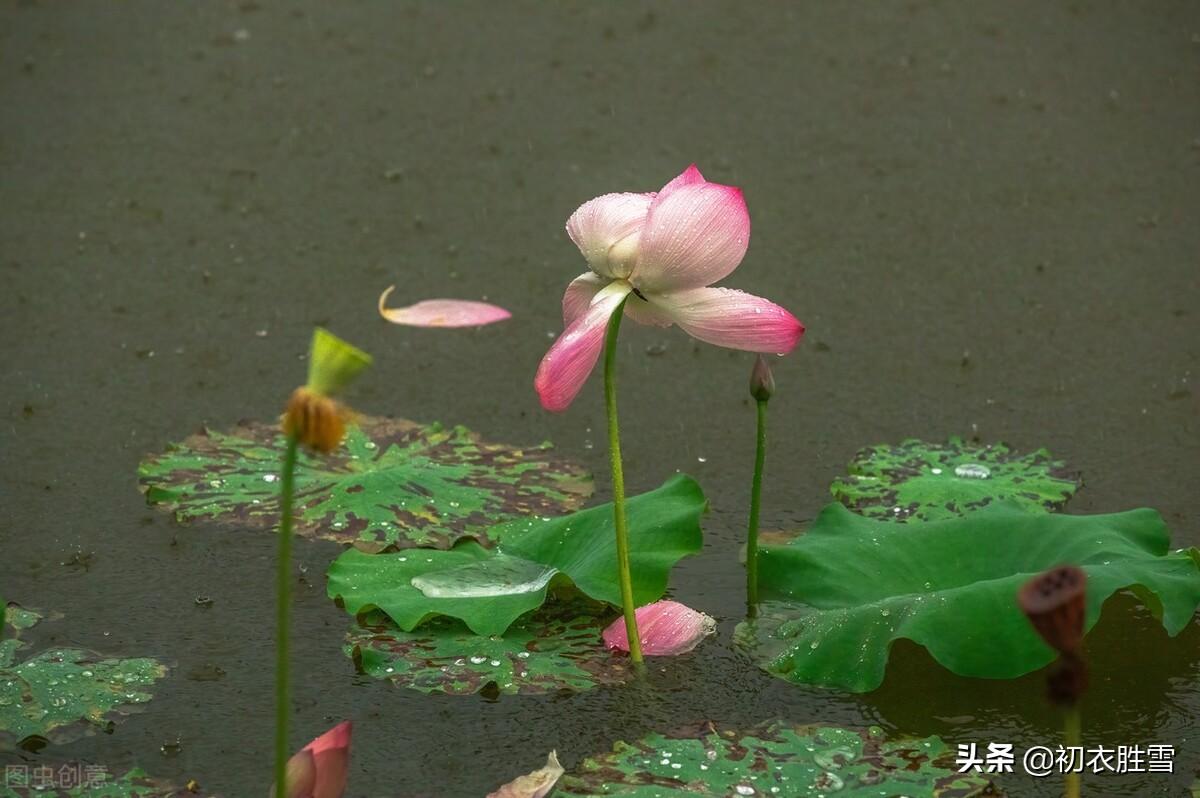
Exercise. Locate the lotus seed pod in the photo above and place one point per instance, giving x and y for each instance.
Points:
(1055, 604)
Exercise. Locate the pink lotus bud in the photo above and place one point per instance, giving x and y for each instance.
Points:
(762, 381)
(666, 628)
(320, 769)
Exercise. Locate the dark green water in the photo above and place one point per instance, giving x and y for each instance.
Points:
(985, 213)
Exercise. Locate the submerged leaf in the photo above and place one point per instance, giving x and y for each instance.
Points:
(850, 586)
(537, 784)
(442, 312)
(62, 693)
(395, 483)
(776, 760)
(556, 648)
(665, 629)
(930, 481)
(664, 527)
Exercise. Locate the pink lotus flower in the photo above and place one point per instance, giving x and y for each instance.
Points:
(666, 628)
(665, 248)
(320, 769)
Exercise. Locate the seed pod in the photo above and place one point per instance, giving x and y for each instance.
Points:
(1055, 604)
(317, 421)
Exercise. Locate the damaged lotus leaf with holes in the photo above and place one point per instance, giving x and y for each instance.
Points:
(394, 483)
(94, 781)
(489, 589)
(777, 759)
(63, 693)
(843, 592)
(556, 648)
(930, 481)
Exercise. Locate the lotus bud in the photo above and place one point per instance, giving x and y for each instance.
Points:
(665, 628)
(762, 381)
(1054, 602)
(321, 768)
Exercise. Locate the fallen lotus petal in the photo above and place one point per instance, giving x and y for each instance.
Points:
(442, 312)
(320, 769)
(537, 784)
(666, 628)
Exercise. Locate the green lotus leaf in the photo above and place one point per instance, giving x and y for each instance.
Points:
(555, 648)
(850, 586)
(931, 481)
(62, 693)
(82, 780)
(394, 483)
(491, 589)
(777, 759)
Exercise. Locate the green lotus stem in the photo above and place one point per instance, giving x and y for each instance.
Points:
(760, 456)
(620, 521)
(1072, 732)
(283, 592)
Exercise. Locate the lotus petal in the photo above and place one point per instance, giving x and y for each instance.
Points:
(442, 312)
(537, 784)
(666, 628)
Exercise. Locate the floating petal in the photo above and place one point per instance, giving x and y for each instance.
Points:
(537, 784)
(666, 628)
(442, 312)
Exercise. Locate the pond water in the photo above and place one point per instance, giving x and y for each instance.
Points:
(985, 214)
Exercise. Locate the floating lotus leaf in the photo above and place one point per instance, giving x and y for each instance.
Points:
(930, 481)
(20, 618)
(776, 760)
(850, 586)
(489, 589)
(80, 780)
(556, 648)
(394, 483)
(63, 693)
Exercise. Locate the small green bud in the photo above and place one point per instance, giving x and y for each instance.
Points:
(762, 381)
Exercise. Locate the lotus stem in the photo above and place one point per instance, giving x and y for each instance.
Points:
(620, 521)
(283, 590)
(1072, 734)
(760, 455)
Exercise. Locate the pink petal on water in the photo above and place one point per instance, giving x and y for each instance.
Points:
(566, 367)
(694, 236)
(606, 231)
(442, 312)
(726, 317)
(537, 784)
(666, 628)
